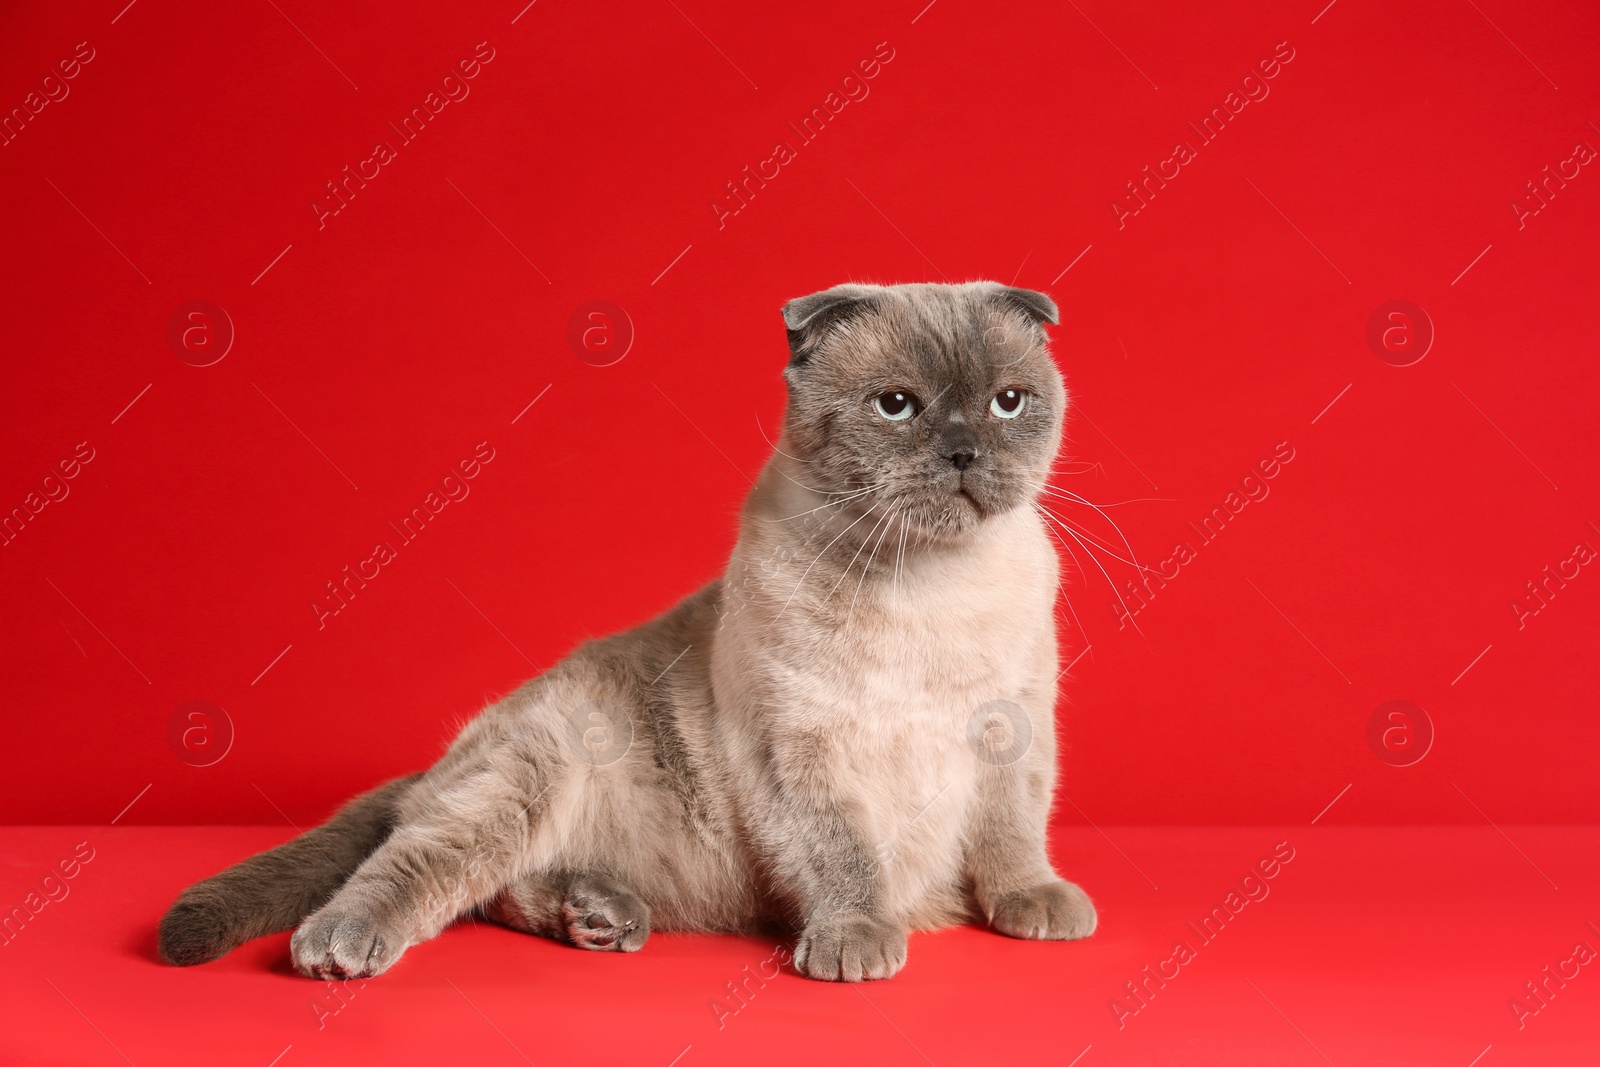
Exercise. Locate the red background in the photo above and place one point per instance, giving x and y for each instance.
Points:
(411, 327)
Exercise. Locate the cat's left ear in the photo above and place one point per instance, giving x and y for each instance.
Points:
(808, 317)
(1035, 305)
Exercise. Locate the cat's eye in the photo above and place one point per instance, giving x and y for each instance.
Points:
(896, 406)
(1008, 404)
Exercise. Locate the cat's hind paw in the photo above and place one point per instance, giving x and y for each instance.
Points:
(605, 917)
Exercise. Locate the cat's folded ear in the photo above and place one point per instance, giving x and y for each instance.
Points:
(808, 318)
(1036, 306)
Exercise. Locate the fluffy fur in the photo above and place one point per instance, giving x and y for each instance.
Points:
(850, 734)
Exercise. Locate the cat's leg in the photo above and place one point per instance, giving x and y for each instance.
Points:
(592, 911)
(823, 856)
(532, 904)
(466, 831)
(1012, 880)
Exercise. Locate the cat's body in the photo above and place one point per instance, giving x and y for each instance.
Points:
(850, 734)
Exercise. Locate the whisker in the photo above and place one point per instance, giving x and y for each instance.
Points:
(1088, 503)
(773, 444)
(851, 613)
(1066, 599)
(1096, 561)
(854, 494)
(803, 485)
(1084, 467)
(899, 560)
(1058, 491)
(814, 562)
(1093, 538)
(887, 515)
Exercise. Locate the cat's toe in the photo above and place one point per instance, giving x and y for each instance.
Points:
(1054, 911)
(341, 943)
(611, 922)
(851, 948)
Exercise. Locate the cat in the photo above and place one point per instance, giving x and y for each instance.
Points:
(854, 752)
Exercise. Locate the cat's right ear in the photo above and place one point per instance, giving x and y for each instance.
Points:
(809, 318)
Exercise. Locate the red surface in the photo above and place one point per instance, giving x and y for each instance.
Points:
(1395, 946)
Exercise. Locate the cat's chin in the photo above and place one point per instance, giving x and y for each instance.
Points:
(953, 519)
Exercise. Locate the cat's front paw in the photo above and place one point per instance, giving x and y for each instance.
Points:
(341, 941)
(1054, 911)
(850, 948)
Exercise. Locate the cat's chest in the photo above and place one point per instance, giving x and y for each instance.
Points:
(940, 634)
(905, 685)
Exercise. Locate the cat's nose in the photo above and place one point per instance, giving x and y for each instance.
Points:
(961, 459)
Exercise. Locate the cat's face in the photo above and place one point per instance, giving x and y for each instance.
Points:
(942, 396)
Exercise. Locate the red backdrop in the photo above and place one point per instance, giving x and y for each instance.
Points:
(1334, 160)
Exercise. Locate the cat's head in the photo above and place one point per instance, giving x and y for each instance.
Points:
(944, 396)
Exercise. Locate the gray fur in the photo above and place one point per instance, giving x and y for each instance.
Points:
(274, 890)
(807, 742)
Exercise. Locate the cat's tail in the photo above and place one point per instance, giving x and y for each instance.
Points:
(274, 890)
